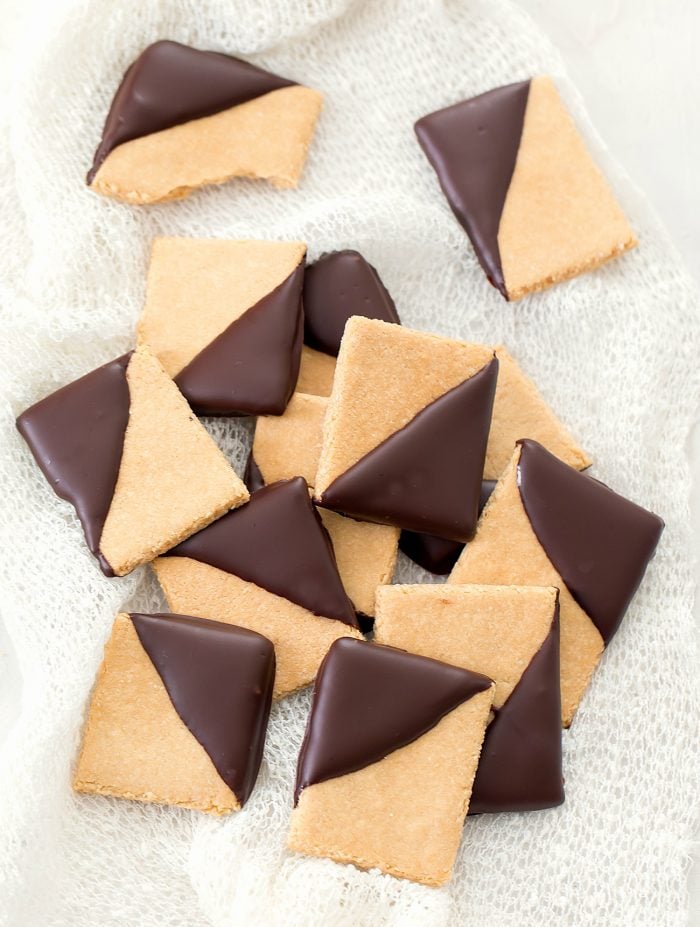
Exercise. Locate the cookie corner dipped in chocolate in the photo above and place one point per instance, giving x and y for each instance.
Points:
(220, 679)
(405, 480)
(599, 542)
(403, 695)
(337, 286)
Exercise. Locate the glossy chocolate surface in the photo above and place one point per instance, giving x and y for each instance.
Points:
(438, 555)
(370, 700)
(520, 764)
(599, 542)
(278, 542)
(337, 286)
(220, 679)
(473, 147)
(76, 436)
(170, 84)
(252, 367)
(404, 482)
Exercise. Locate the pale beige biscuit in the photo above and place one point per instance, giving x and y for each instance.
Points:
(505, 551)
(173, 479)
(198, 286)
(316, 372)
(266, 138)
(493, 630)
(404, 814)
(519, 411)
(289, 445)
(135, 744)
(560, 217)
(385, 376)
(366, 557)
(301, 639)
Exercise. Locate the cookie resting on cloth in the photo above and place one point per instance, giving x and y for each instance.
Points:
(547, 524)
(511, 634)
(520, 180)
(270, 569)
(406, 428)
(179, 713)
(387, 762)
(122, 446)
(225, 318)
(183, 118)
(337, 286)
(289, 445)
(519, 411)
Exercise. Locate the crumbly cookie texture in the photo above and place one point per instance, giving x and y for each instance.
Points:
(505, 551)
(173, 479)
(290, 444)
(385, 376)
(197, 287)
(266, 138)
(366, 557)
(404, 814)
(519, 411)
(135, 744)
(301, 639)
(316, 372)
(494, 630)
(560, 216)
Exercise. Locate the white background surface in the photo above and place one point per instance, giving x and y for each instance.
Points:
(635, 62)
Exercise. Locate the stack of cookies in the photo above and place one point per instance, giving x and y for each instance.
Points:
(370, 437)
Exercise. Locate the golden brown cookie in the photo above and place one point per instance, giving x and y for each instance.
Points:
(398, 395)
(520, 180)
(510, 634)
(183, 118)
(547, 524)
(270, 569)
(225, 318)
(179, 713)
(386, 767)
(122, 445)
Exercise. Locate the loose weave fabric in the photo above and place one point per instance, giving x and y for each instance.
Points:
(615, 353)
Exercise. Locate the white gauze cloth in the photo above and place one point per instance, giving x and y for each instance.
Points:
(615, 353)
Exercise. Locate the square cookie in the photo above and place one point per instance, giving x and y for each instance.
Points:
(289, 445)
(182, 118)
(338, 285)
(510, 634)
(225, 319)
(521, 182)
(519, 411)
(398, 397)
(387, 763)
(547, 524)
(178, 714)
(270, 569)
(122, 446)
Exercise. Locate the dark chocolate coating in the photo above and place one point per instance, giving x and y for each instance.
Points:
(219, 678)
(252, 367)
(404, 482)
(252, 476)
(438, 555)
(599, 542)
(278, 542)
(520, 764)
(370, 700)
(337, 286)
(76, 436)
(473, 148)
(170, 84)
